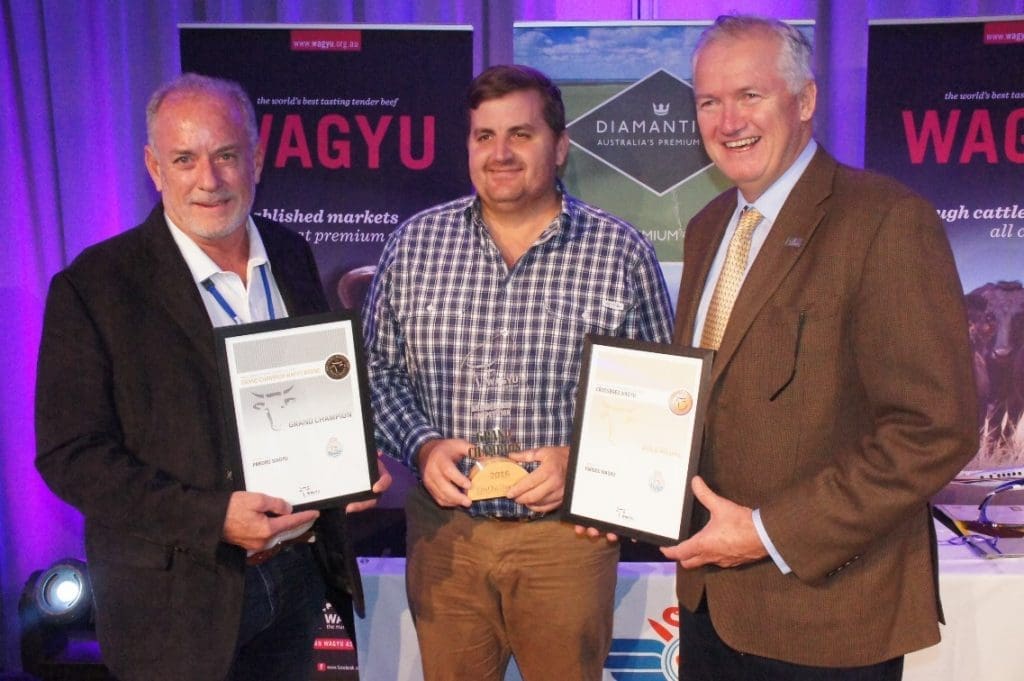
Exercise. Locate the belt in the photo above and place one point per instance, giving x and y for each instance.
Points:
(261, 557)
(511, 519)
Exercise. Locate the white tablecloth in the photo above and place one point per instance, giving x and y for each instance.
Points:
(984, 605)
(983, 601)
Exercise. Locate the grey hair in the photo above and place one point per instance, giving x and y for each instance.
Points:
(193, 83)
(794, 57)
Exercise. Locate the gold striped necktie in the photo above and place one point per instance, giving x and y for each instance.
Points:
(729, 280)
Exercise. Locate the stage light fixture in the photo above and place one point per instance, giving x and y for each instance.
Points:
(58, 637)
(62, 592)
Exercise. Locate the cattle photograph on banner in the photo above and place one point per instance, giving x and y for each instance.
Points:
(362, 127)
(629, 105)
(945, 115)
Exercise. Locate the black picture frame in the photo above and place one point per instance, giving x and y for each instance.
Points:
(596, 485)
(288, 350)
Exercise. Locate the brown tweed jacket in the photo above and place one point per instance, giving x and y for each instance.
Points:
(842, 400)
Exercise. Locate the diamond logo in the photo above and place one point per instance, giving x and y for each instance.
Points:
(648, 132)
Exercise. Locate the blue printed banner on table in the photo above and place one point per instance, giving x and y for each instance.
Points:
(363, 127)
(636, 151)
(945, 115)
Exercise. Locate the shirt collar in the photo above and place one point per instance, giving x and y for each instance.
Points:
(201, 265)
(563, 225)
(770, 203)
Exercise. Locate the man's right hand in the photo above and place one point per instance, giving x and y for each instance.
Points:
(438, 462)
(248, 525)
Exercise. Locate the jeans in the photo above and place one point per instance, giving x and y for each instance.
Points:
(283, 607)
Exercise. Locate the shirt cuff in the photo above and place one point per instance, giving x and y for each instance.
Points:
(767, 541)
(416, 439)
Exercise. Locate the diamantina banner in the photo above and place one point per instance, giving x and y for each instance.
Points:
(363, 127)
(636, 151)
(945, 115)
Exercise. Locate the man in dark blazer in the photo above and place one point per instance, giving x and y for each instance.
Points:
(841, 398)
(131, 430)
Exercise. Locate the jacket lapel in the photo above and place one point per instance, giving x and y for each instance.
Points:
(786, 243)
(294, 272)
(700, 248)
(174, 288)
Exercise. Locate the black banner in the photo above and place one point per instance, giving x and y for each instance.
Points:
(362, 126)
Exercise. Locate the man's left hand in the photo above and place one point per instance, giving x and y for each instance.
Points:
(542, 490)
(729, 539)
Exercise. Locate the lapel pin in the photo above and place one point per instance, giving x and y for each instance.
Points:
(794, 242)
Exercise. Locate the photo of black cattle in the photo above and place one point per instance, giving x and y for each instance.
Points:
(996, 322)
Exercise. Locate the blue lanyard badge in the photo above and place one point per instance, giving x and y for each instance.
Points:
(226, 306)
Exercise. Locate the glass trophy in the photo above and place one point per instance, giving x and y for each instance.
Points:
(492, 471)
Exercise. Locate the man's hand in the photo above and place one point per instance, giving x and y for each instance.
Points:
(438, 462)
(542, 490)
(248, 525)
(729, 539)
(594, 533)
(383, 482)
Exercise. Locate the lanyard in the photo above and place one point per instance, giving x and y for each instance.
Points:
(226, 306)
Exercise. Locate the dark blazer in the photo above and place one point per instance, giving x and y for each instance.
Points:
(130, 430)
(842, 400)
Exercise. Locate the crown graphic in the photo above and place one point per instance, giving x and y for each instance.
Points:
(660, 109)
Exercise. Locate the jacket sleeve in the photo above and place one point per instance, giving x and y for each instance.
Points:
(84, 452)
(909, 381)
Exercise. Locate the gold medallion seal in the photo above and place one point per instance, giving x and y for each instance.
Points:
(680, 402)
(337, 366)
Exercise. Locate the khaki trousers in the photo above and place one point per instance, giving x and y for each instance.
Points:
(481, 590)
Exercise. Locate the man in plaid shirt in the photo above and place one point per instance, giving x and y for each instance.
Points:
(474, 331)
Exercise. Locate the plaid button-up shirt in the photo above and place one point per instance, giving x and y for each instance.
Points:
(458, 343)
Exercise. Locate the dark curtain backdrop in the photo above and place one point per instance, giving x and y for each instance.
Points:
(74, 80)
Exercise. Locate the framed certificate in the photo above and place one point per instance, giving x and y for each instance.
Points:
(636, 438)
(296, 394)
